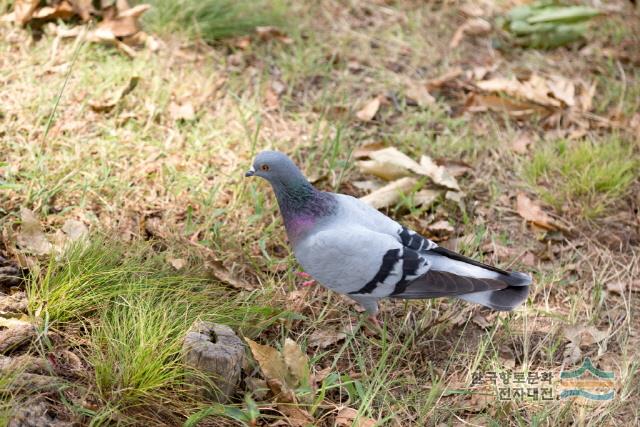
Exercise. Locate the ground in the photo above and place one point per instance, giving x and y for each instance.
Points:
(163, 188)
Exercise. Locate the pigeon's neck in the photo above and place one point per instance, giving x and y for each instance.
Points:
(302, 206)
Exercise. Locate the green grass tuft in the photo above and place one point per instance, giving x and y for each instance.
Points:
(135, 310)
(587, 174)
(212, 20)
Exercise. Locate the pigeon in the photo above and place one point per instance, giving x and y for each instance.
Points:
(356, 250)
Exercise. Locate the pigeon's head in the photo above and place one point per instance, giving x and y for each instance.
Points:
(276, 168)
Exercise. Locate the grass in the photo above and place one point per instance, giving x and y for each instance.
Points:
(212, 20)
(135, 310)
(153, 184)
(589, 174)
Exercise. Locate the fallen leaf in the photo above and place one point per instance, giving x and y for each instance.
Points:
(31, 237)
(62, 10)
(296, 416)
(472, 26)
(521, 143)
(284, 371)
(366, 149)
(322, 339)
(125, 23)
(533, 213)
(271, 99)
(83, 8)
(481, 321)
(297, 362)
(182, 111)
(369, 111)
(177, 263)
(478, 102)
(23, 10)
(389, 194)
(445, 78)
(419, 94)
(75, 229)
(348, 417)
(438, 174)
(441, 227)
(425, 197)
(389, 164)
(562, 89)
(584, 336)
(270, 33)
(271, 362)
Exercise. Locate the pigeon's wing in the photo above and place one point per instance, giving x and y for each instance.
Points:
(356, 261)
(452, 274)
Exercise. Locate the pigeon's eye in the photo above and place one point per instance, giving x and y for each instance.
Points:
(265, 167)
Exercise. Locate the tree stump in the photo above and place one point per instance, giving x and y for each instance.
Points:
(217, 352)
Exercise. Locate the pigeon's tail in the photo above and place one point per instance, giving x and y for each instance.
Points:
(503, 299)
(454, 275)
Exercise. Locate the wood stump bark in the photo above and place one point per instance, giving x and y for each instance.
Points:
(217, 352)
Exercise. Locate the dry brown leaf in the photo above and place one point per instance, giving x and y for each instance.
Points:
(23, 10)
(562, 89)
(183, 111)
(125, 23)
(285, 371)
(296, 416)
(83, 8)
(478, 102)
(369, 111)
(271, 363)
(272, 33)
(533, 213)
(426, 197)
(389, 164)
(419, 94)
(618, 287)
(62, 10)
(521, 143)
(441, 227)
(75, 230)
(366, 149)
(297, 362)
(177, 263)
(390, 194)
(223, 275)
(348, 417)
(445, 78)
(585, 335)
(271, 99)
(438, 174)
(472, 26)
(31, 237)
(586, 96)
(322, 339)
(480, 320)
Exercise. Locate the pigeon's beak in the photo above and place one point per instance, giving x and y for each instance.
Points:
(250, 172)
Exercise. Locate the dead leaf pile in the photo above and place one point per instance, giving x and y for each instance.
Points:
(119, 23)
(403, 172)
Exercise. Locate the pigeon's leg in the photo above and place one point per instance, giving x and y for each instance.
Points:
(309, 281)
(371, 305)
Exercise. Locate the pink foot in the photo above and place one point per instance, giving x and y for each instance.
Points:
(374, 319)
(304, 275)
